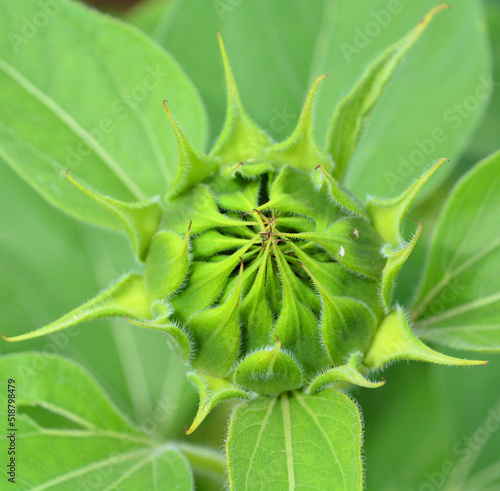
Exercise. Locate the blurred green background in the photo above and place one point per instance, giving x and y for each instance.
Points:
(49, 263)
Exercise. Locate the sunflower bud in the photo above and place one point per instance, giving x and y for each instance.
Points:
(264, 272)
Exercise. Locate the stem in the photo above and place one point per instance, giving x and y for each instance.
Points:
(204, 460)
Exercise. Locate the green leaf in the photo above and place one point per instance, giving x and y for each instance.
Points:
(443, 85)
(387, 215)
(240, 136)
(458, 303)
(139, 219)
(212, 391)
(91, 442)
(395, 261)
(300, 148)
(354, 111)
(128, 296)
(96, 110)
(296, 442)
(338, 376)
(395, 341)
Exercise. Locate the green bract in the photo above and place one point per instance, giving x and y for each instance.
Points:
(267, 275)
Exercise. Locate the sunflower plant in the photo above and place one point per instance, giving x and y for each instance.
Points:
(271, 280)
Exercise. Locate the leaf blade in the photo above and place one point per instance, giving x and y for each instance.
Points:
(266, 433)
(457, 304)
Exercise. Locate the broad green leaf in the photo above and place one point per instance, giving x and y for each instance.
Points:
(354, 111)
(296, 441)
(96, 110)
(429, 110)
(92, 441)
(395, 341)
(128, 296)
(458, 303)
(485, 139)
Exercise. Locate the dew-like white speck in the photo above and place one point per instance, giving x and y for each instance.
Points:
(342, 251)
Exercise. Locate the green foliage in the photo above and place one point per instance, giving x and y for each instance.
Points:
(95, 110)
(88, 440)
(269, 443)
(270, 279)
(458, 302)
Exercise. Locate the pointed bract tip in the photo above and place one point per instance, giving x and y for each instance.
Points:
(186, 429)
(190, 225)
(5, 338)
(419, 223)
(318, 167)
(485, 363)
(318, 80)
(67, 172)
